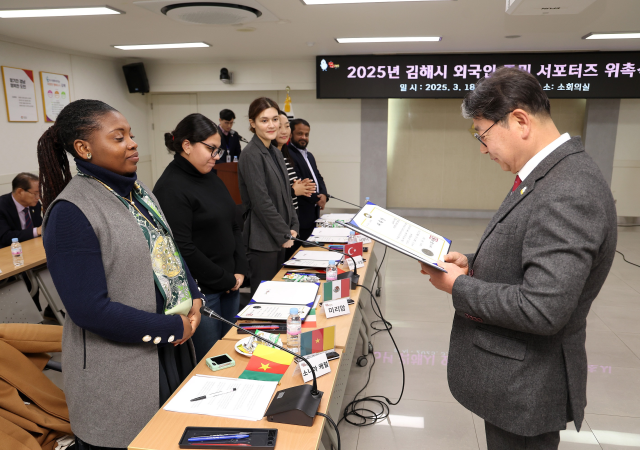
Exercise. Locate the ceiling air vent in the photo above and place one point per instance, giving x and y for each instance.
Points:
(546, 7)
(210, 13)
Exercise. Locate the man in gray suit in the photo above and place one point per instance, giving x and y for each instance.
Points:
(517, 355)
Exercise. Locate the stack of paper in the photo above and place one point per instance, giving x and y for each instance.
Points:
(318, 256)
(284, 293)
(263, 311)
(248, 402)
(332, 232)
(334, 216)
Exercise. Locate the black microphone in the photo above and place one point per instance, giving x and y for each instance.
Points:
(355, 278)
(288, 403)
(232, 132)
(344, 201)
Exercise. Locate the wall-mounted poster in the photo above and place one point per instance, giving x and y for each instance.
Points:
(20, 94)
(55, 94)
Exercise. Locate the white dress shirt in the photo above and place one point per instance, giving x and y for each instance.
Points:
(542, 154)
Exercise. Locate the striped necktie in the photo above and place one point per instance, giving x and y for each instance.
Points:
(28, 224)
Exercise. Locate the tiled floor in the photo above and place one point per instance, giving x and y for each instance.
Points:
(428, 417)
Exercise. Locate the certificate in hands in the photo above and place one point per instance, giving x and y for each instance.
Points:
(400, 234)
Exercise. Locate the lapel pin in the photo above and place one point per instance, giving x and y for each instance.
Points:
(522, 190)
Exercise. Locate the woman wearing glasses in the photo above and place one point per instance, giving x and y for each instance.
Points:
(201, 214)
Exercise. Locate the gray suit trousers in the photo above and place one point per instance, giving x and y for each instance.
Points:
(499, 439)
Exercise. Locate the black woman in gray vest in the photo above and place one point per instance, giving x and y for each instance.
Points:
(131, 300)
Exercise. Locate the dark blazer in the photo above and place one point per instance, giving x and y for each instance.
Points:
(201, 214)
(230, 142)
(10, 221)
(308, 210)
(266, 198)
(517, 356)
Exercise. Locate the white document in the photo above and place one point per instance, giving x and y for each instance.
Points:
(335, 216)
(307, 263)
(283, 292)
(333, 232)
(328, 239)
(263, 311)
(249, 401)
(402, 234)
(362, 238)
(318, 256)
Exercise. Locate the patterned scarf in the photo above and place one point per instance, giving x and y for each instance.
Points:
(168, 273)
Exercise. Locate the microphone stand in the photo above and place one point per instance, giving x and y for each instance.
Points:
(355, 278)
(344, 201)
(304, 398)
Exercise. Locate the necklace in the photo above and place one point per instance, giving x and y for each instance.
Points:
(130, 200)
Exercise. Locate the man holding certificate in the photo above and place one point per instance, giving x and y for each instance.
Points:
(517, 355)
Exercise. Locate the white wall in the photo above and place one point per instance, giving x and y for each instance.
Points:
(625, 182)
(94, 78)
(247, 76)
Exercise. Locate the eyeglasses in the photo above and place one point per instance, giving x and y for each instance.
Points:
(479, 136)
(215, 151)
(35, 194)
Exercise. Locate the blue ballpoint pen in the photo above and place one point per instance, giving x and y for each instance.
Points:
(219, 438)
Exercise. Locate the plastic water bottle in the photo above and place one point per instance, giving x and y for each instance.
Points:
(16, 252)
(352, 238)
(235, 159)
(366, 200)
(228, 156)
(294, 325)
(332, 271)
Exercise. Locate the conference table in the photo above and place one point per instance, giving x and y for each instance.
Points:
(33, 253)
(164, 430)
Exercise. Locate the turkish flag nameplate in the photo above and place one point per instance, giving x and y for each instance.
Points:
(353, 249)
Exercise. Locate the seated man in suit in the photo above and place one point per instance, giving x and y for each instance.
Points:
(229, 139)
(517, 354)
(306, 167)
(21, 210)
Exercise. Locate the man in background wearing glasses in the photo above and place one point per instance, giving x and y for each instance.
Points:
(21, 210)
(230, 139)
(517, 354)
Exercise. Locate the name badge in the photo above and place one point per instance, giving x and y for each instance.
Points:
(358, 259)
(335, 308)
(320, 365)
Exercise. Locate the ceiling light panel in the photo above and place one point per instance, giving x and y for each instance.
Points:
(341, 2)
(162, 46)
(388, 39)
(58, 12)
(612, 36)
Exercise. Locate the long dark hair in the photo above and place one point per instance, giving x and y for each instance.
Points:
(193, 128)
(78, 120)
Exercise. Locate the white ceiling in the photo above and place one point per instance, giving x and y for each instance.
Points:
(465, 25)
